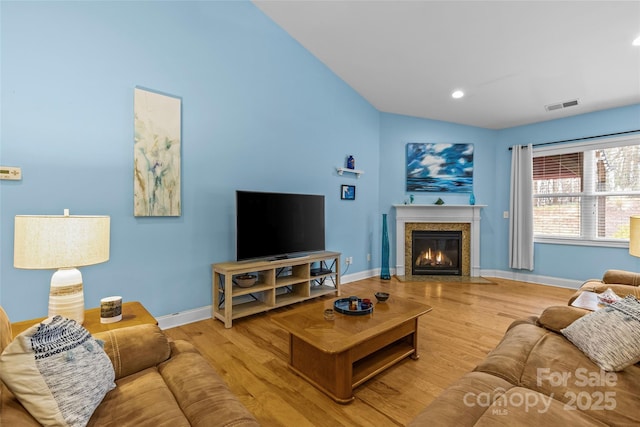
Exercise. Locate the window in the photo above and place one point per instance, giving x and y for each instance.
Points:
(586, 192)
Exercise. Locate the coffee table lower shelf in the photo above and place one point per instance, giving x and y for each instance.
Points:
(338, 373)
(382, 359)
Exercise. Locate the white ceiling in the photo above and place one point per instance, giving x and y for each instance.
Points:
(511, 58)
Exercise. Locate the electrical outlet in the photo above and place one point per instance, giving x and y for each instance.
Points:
(368, 257)
(505, 214)
(348, 260)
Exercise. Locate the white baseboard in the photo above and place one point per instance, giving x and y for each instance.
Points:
(184, 317)
(189, 316)
(348, 278)
(533, 278)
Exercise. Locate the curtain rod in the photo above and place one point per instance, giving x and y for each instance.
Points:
(583, 138)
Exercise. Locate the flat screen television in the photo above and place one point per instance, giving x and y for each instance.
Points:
(278, 225)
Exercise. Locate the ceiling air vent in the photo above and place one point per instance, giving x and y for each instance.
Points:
(561, 105)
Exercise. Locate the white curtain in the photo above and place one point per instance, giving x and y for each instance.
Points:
(521, 208)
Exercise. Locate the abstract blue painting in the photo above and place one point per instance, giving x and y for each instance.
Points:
(440, 167)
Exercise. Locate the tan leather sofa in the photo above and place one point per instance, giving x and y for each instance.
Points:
(536, 377)
(158, 383)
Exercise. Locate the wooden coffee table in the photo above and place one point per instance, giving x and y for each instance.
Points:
(338, 355)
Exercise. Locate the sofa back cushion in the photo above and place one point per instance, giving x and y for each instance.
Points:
(621, 277)
(135, 348)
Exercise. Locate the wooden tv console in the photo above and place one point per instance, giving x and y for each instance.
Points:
(280, 282)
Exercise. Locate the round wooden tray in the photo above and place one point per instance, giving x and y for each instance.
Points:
(342, 306)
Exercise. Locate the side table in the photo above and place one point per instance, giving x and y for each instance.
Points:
(133, 313)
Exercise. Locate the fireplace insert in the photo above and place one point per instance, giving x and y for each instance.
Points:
(436, 252)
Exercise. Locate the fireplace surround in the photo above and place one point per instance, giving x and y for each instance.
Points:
(462, 218)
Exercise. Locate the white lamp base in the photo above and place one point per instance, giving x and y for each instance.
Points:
(66, 297)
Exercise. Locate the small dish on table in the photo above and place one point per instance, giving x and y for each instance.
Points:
(382, 296)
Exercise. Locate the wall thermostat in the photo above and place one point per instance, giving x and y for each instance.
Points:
(10, 172)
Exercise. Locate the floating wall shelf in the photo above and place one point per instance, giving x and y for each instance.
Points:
(354, 171)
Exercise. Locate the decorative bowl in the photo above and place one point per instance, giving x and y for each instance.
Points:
(245, 280)
(382, 296)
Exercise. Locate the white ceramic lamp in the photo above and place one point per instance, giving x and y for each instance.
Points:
(62, 242)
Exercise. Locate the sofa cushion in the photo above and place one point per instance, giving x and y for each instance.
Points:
(610, 336)
(135, 348)
(140, 399)
(462, 403)
(509, 358)
(549, 364)
(621, 277)
(12, 413)
(201, 393)
(480, 399)
(58, 371)
(556, 318)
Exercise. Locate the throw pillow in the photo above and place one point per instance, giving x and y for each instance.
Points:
(610, 337)
(58, 371)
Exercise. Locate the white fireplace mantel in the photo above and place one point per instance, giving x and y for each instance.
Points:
(438, 214)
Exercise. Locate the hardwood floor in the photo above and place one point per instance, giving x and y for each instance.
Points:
(467, 321)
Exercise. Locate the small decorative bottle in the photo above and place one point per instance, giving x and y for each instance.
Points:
(472, 199)
(351, 163)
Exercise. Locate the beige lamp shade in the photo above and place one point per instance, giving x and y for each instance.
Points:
(64, 243)
(634, 236)
(48, 242)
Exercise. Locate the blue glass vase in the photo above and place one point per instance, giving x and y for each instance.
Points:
(351, 162)
(384, 270)
(472, 199)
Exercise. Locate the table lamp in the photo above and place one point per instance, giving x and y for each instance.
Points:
(62, 242)
(634, 236)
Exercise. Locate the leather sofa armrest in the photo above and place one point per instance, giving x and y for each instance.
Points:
(621, 277)
(599, 287)
(621, 282)
(559, 317)
(588, 285)
(135, 348)
(531, 320)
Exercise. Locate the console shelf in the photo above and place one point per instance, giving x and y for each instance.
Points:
(279, 283)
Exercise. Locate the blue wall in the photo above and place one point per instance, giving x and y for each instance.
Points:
(396, 131)
(259, 113)
(492, 161)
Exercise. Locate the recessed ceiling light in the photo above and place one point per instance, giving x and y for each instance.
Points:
(636, 42)
(457, 94)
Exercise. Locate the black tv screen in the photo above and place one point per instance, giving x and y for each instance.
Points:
(278, 225)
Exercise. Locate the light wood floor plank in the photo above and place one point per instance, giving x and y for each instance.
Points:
(467, 321)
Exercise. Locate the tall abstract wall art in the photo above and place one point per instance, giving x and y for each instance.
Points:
(157, 124)
(440, 167)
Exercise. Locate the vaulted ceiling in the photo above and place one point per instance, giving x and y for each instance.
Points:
(511, 58)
